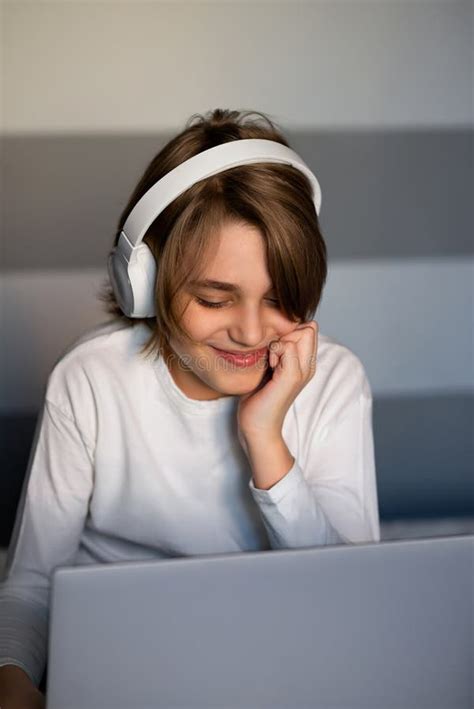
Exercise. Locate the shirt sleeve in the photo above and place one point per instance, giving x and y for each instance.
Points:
(46, 534)
(333, 499)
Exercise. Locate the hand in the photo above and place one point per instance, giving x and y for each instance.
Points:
(17, 691)
(29, 698)
(291, 366)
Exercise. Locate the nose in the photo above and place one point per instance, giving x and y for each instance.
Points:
(248, 327)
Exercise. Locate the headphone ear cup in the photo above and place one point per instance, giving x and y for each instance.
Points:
(117, 267)
(133, 281)
(142, 278)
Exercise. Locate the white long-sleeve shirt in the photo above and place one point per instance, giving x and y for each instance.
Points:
(124, 466)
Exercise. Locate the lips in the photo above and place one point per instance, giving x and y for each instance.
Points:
(241, 354)
(242, 360)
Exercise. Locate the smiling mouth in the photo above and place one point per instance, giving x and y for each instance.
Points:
(241, 354)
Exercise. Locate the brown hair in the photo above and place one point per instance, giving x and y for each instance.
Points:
(275, 198)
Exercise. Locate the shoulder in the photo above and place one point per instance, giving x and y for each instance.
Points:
(341, 367)
(93, 359)
(339, 381)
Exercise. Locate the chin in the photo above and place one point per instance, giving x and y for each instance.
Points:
(241, 382)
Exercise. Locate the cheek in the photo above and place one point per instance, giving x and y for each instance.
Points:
(286, 326)
(200, 326)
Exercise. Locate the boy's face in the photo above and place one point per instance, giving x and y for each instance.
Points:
(248, 319)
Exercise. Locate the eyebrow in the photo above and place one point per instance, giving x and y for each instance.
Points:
(222, 285)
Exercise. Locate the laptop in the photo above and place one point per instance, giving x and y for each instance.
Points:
(360, 626)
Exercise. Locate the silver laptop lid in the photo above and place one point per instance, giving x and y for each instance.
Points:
(360, 626)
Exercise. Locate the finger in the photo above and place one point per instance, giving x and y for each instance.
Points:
(304, 330)
(307, 343)
(286, 353)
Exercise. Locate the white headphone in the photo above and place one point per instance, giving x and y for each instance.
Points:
(131, 265)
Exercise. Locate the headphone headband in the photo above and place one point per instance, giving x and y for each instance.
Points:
(210, 162)
(131, 265)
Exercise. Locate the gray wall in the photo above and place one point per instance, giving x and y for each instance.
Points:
(375, 96)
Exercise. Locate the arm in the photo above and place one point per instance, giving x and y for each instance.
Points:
(48, 525)
(331, 496)
(327, 495)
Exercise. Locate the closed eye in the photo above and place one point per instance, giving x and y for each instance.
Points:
(209, 304)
